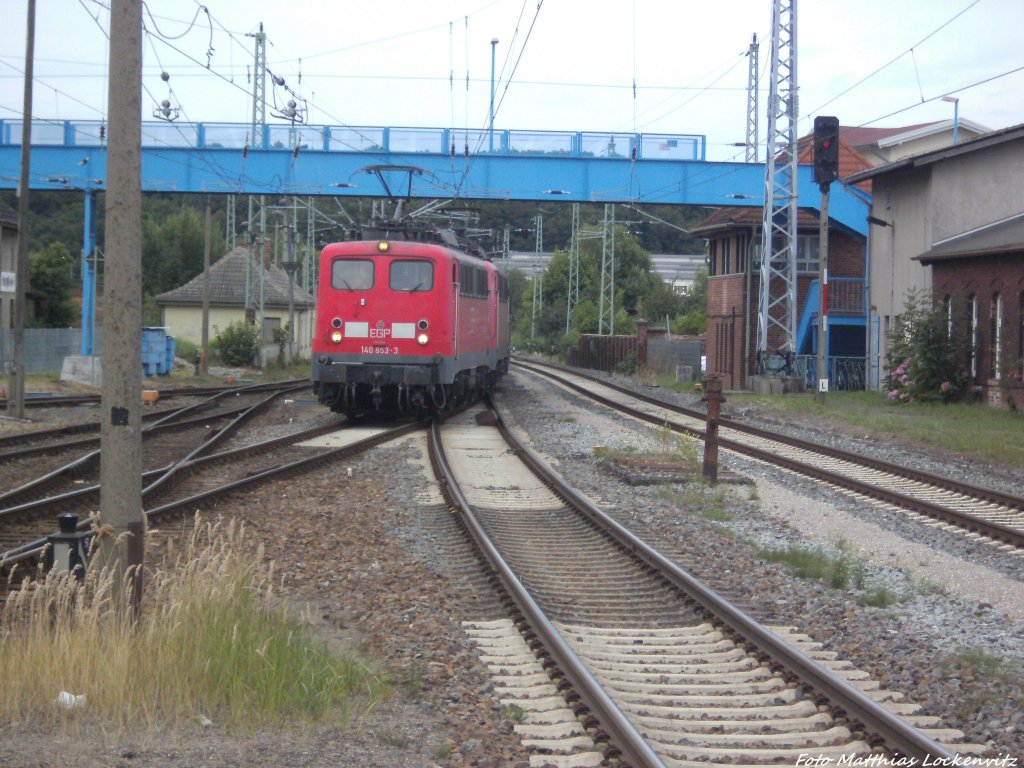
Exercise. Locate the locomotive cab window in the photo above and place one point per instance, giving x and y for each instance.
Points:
(352, 274)
(411, 276)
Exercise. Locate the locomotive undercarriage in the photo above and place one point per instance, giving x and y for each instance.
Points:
(399, 389)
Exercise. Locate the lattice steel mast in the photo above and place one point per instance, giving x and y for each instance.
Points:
(538, 275)
(753, 107)
(776, 326)
(573, 297)
(606, 308)
(254, 264)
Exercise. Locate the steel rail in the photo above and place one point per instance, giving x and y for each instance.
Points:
(169, 422)
(886, 727)
(624, 735)
(965, 520)
(168, 393)
(993, 495)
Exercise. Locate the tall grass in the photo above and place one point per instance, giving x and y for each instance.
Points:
(210, 642)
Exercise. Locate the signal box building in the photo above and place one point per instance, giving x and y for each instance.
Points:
(734, 276)
(734, 272)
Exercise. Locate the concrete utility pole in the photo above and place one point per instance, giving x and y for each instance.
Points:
(823, 298)
(16, 376)
(121, 404)
(205, 354)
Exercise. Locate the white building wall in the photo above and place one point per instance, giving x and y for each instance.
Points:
(187, 323)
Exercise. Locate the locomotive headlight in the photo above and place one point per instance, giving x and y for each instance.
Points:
(382, 246)
(336, 337)
(422, 339)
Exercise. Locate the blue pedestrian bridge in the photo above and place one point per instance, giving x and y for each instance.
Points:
(355, 161)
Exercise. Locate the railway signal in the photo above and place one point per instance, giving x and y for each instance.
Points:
(826, 150)
(826, 170)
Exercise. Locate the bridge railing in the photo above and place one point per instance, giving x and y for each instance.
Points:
(370, 139)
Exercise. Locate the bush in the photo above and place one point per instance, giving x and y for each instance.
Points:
(926, 360)
(238, 344)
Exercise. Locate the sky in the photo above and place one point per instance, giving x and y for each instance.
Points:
(634, 66)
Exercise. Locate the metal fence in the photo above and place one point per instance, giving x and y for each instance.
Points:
(44, 349)
(845, 374)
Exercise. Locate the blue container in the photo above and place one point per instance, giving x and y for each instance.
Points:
(169, 347)
(154, 351)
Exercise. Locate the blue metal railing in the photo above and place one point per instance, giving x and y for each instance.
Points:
(334, 138)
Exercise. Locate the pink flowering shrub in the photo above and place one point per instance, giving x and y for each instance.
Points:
(928, 358)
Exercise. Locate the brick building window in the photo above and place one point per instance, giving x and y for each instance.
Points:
(1020, 335)
(807, 253)
(742, 247)
(972, 326)
(947, 308)
(995, 317)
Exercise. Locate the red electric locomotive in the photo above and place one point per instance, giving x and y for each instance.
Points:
(407, 321)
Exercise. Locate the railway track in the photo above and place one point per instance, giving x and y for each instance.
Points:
(984, 513)
(167, 393)
(182, 432)
(615, 652)
(184, 462)
(193, 481)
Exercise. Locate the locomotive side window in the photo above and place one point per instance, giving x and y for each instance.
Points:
(474, 282)
(411, 276)
(352, 274)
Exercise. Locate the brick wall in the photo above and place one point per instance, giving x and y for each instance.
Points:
(985, 277)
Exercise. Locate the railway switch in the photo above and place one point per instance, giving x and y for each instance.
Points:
(69, 548)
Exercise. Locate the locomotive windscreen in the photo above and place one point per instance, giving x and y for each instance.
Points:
(411, 276)
(352, 274)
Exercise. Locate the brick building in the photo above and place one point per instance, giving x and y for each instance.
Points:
(952, 221)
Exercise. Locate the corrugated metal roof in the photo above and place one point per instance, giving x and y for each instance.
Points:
(1001, 237)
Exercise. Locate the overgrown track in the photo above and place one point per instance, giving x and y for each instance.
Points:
(992, 514)
(655, 667)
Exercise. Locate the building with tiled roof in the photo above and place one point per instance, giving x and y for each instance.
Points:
(181, 309)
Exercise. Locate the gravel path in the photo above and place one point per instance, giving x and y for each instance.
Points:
(377, 569)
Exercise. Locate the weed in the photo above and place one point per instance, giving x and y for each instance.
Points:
(815, 563)
(697, 500)
(879, 597)
(392, 739)
(444, 751)
(513, 712)
(988, 675)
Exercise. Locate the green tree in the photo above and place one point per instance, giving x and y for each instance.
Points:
(172, 249)
(50, 283)
(693, 318)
